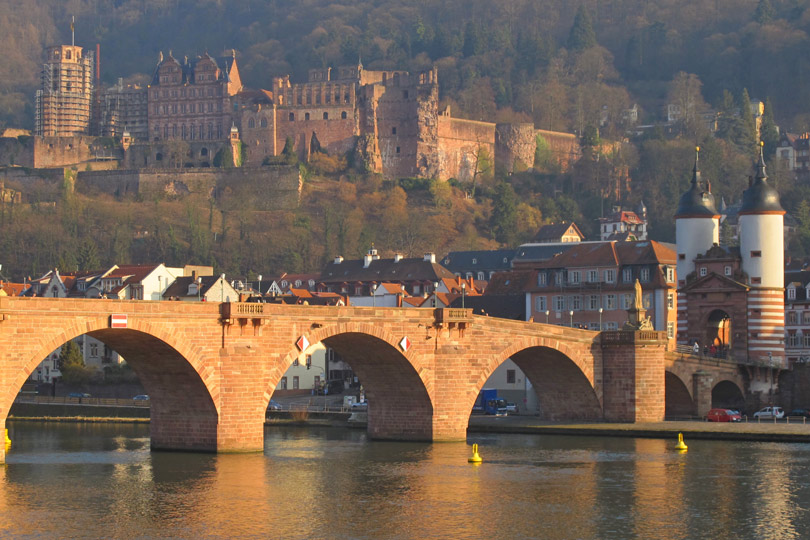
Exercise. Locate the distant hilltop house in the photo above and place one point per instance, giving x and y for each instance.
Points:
(624, 224)
(389, 120)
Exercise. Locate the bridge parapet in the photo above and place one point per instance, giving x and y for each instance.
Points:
(624, 337)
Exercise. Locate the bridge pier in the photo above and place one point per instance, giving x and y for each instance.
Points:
(633, 375)
(702, 392)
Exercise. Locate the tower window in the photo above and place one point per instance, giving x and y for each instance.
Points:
(394, 130)
(756, 254)
(681, 257)
(756, 280)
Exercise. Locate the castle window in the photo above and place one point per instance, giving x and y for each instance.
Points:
(204, 151)
(343, 115)
(292, 117)
(67, 55)
(264, 122)
(326, 116)
(397, 149)
(394, 130)
(158, 157)
(405, 94)
(306, 116)
(346, 98)
(756, 254)
(251, 123)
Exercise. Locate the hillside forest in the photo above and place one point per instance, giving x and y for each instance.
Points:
(566, 66)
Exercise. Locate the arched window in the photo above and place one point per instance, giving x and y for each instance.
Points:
(306, 116)
(264, 122)
(326, 116)
(251, 123)
(292, 117)
(343, 115)
(204, 151)
(67, 54)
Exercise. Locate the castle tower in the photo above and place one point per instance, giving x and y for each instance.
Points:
(63, 102)
(762, 253)
(697, 229)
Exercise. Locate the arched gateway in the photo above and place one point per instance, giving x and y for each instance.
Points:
(210, 369)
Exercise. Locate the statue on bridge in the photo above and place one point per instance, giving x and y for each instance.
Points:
(636, 315)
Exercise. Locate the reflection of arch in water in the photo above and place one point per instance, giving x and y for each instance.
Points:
(726, 394)
(718, 329)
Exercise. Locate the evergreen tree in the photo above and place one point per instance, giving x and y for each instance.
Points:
(582, 35)
(768, 132)
(70, 357)
(746, 138)
(504, 214)
(290, 157)
(727, 120)
(88, 256)
(764, 12)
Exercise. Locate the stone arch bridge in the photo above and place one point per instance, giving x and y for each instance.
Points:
(210, 368)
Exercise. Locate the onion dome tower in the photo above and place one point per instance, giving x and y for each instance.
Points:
(697, 229)
(697, 223)
(763, 261)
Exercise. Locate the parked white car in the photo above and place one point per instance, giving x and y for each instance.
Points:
(769, 413)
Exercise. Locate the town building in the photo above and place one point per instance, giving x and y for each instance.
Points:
(480, 265)
(358, 277)
(555, 233)
(592, 285)
(624, 224)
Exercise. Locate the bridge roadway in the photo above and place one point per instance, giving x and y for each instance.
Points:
(210, 368)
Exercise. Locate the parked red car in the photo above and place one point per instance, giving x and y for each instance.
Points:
(723, 415)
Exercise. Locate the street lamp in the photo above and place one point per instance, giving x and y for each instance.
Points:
(547, 316)
(571, 314)
(222, 287)
(600, 319)
(463, 290)
(373, 295)
(199, 286)
(435, 290)
(260, 285)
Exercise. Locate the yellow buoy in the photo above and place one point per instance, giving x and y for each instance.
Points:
(681, 445)
(475, 458)
(8, 441)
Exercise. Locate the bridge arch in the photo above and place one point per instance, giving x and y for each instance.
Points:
(678, 397)
(184, 411)
(727, 394)
(562, 375)
(396, 383)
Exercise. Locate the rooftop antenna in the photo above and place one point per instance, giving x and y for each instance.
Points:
(72, 31)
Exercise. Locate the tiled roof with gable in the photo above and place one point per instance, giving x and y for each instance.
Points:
(379, 270)
(555, 231)
(462, 261)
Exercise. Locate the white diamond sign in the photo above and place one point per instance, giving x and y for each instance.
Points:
(405, 344)
(302, 343)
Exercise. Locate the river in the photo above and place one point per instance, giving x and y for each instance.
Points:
(102, 481)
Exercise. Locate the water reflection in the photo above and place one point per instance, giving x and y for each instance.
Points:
(103, 482)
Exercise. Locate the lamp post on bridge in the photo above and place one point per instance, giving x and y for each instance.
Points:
(199, 286)
(600, 319)
(571, 320)
(435, 290)
(463, 290)
(222, 287)
(374, 295)
(260, 285)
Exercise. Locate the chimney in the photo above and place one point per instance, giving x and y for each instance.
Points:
(397, 257)
(338, 259)
(193, 275)
(430, 257)
(367, 259)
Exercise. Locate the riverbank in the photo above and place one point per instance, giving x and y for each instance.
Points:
(528, 425)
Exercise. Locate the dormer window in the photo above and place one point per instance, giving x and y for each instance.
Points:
(791, 293)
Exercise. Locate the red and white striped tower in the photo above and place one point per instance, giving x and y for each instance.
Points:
(697, 229)
(763, 261)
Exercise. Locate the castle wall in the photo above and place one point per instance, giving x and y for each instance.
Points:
(160, 154)
(459, 143)
(16, 151)
(60, 151)
(264, 188)
(564, 147)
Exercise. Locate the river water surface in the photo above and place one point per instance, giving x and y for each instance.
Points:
(102, 481)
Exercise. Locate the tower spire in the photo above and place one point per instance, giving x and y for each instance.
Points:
(696, 169)
(72, 30)
(761, 165)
